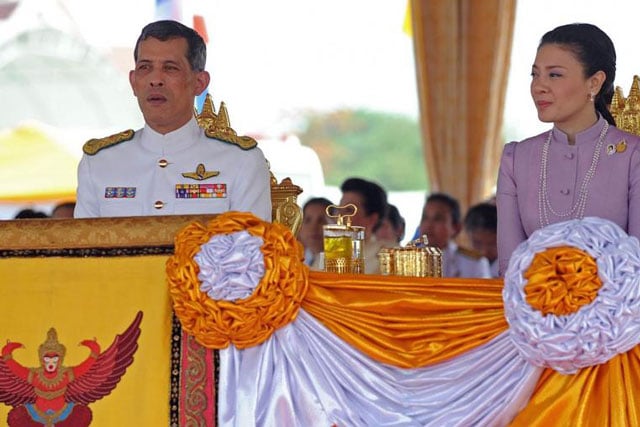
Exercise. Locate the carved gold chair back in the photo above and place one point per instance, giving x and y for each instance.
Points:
(626, 111)
(284, 195)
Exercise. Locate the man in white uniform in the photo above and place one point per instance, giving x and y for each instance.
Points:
(171, 166)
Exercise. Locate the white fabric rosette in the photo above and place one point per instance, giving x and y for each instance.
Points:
(597, 331)
(231, 265)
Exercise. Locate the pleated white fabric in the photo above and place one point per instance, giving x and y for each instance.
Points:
(304, 375)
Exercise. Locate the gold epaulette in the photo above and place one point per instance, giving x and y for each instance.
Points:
(244, 142)
(92, 146)
(471, 253)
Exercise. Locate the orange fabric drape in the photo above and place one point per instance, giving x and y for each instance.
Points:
(417, 322)
(413, 322)
(404, 321)
(600, 395)
(462, 51)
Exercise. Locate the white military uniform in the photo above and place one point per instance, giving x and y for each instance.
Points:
(182, 172)
(460, 262)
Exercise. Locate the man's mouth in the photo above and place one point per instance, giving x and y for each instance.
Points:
(156, 99)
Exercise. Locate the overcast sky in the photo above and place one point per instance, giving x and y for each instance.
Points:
(618, 18)
(271, 58)
(268, 59)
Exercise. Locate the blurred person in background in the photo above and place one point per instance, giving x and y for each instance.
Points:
(481, 227)
(441, 222)
(314, 216)
(63, 210)
(29, 213)
(370, 200)
(392, 227)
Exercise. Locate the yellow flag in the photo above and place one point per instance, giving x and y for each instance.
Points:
(94, 298)
(407, 26)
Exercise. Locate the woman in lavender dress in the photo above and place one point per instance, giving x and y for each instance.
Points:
(584, 165)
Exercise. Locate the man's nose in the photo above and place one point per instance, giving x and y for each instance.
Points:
(156, 79)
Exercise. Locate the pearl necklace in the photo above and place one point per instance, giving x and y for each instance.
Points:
(544, 204)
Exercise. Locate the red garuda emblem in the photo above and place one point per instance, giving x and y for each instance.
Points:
(57, 395)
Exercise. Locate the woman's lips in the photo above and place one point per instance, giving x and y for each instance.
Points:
(543, 104)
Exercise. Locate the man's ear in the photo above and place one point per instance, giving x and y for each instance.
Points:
(375, 217)
(132, 80)
(202, 81)
(456, 229)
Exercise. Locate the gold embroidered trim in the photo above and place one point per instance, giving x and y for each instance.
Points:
(92, 146)
(50, 382)
(48, 417)
(244, 142)
(51, 394)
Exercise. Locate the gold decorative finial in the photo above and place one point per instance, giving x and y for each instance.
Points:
(617, 103)
(223, 117)
(208, 111)
(51, 345)
(218, 126)
(284, 206)
(626, 111)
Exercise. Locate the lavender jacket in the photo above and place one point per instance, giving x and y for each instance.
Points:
(613, 193)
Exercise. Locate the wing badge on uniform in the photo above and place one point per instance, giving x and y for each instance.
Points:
(201, 173)
(53, 392)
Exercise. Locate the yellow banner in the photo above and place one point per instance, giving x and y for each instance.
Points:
(87, 298)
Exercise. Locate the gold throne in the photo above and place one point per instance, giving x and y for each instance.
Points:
(626, 111)
(284, 195)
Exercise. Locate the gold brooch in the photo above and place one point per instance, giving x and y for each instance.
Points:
(201, 173)
(620, 147)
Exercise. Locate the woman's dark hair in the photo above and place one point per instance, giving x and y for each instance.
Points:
(594, 49)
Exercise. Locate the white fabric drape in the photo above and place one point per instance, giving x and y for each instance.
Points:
(306, 376)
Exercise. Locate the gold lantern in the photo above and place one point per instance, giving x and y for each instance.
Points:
(343, 242)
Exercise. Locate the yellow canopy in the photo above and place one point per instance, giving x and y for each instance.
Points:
(34, 167)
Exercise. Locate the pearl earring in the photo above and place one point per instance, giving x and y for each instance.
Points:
(592, 97)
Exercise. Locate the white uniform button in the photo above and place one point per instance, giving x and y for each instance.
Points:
(163, 163)
(565, 191)
(569, 156)
(159, 204)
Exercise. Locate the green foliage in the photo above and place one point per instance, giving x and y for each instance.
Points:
(382, 147)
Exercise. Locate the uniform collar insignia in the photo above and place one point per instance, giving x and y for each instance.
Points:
(201, 173)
